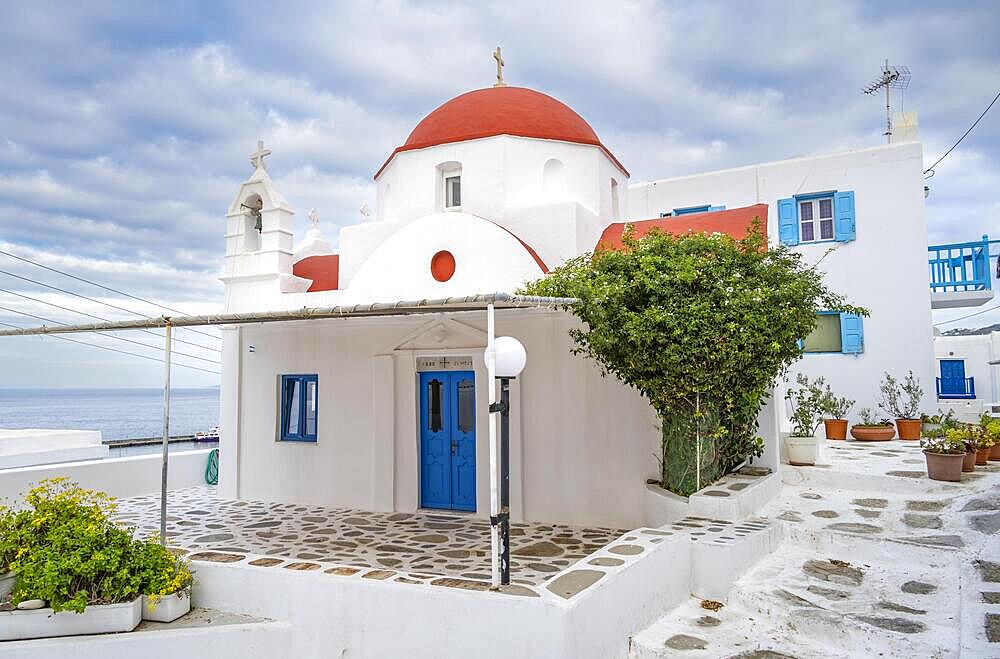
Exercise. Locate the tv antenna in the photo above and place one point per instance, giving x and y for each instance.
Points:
(893, 77)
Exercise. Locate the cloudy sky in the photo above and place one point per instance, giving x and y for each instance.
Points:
(125, 130)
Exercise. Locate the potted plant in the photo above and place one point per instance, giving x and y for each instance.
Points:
(969, 462)
(807, 408)
(985, 439)
(166, 582)
(871, 428)
(76, 567)
(944, 455)
(902, 400)
(991, 425)
(835, 414)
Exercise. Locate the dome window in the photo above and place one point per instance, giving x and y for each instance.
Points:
(450, 185)
(453, 191)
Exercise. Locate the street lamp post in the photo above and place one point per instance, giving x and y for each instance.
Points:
(510, 360)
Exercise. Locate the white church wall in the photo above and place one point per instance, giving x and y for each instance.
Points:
(884, 269)
(486, 259)
(582, 445)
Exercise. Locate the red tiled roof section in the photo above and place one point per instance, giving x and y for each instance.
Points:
(735, 222)
(501, 111)
(324, 270)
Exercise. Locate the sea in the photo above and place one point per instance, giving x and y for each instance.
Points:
(117, 413)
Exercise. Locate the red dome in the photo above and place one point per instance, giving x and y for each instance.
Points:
(501, 111)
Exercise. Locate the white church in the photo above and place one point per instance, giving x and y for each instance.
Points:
(493, 189)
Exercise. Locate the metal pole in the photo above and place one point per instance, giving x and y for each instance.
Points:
(505, 481)
(166, 437)
(491, 366)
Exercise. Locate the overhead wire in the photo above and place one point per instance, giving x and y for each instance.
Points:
(94, 283)
(974, 124)
(978, 313)
(106, 320)
(112, 336)
(124, 352)
(94, 300)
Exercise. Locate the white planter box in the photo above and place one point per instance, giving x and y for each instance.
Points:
(801, 450)
(97, 619)
(7, 582)
(167, 608)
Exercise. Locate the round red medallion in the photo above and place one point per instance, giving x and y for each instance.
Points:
(443, 265)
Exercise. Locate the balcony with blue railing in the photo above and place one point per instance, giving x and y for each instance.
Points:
(960, 274)
(956, 388)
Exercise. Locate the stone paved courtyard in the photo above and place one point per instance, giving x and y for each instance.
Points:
(424, 542)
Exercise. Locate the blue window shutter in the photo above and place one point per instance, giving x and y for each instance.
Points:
(712, 209)
(788, 222)
(843, 209)
(852, 334)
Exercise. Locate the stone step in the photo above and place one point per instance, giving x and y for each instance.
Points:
(908, 608)
(732, 631)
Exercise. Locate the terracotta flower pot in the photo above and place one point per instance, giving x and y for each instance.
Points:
(944, 466)
(995, 453)
(969, 463)
(983, 455)
(835, 428)
(908, 428)
(873, 433)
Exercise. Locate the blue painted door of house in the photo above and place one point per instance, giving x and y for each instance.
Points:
(448, 440)
(952, 376)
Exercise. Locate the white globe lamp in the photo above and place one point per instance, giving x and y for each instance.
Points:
(510, 356)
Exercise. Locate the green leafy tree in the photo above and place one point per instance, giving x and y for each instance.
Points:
(702, 326)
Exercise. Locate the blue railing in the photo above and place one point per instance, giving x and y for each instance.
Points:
(956, 388)
(960, 266)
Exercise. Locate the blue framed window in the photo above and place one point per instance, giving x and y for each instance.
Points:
(817, 217)
(299, 407)
(690, 210)
(836, 333)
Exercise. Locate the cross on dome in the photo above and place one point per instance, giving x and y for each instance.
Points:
(499, 58)
(257, 157)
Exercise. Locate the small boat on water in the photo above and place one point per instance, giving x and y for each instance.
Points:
(210, 436)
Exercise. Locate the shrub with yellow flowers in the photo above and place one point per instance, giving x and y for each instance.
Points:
(66, 548)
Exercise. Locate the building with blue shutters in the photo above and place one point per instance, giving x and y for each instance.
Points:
(859, 216)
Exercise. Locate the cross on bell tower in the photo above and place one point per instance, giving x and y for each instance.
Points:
(499, 58)
(257, 157)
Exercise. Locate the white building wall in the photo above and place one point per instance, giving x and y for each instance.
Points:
(582, 445)
(977, 351)
(884, 269)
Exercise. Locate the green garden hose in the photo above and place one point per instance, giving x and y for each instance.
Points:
(212, 468)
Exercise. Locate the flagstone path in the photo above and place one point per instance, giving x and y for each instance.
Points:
(436, 544)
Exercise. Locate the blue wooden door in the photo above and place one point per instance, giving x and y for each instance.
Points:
(435, 441)
(952, 376)
(463, 437)
(448, 440)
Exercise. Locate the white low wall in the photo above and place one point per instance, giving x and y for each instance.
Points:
(35, 446)
(119, 477)
(357, 617)
(662, 507)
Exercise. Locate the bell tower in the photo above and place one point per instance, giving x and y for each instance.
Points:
(258, 236)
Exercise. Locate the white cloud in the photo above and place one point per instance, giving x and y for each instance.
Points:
(126, 128)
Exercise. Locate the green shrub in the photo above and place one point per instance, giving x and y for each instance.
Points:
(67, 549)
(160, 571)
(701, 326)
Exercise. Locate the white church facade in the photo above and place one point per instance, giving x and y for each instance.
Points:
(491, 190)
